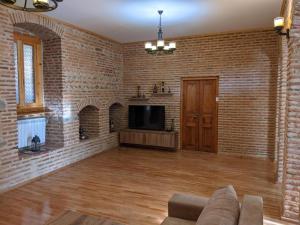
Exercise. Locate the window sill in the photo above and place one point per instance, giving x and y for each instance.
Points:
(25, 154)
(89, 139)
(30, 116)
(30, 111)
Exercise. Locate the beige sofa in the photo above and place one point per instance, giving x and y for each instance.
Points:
(222, 208)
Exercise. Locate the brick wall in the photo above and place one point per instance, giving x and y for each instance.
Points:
(53, 89)
(281, 107)
(90, 72)
(291, 173)
(246, 64)
(8, 153)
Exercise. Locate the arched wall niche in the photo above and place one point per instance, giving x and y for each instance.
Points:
(117, 120)
(89, 121)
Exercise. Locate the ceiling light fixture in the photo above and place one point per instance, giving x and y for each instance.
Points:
(32, 6)
(160, 47)
(279, 25)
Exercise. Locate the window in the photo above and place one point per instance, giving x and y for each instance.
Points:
(27, 52)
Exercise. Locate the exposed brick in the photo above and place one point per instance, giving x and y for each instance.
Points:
(2, 105)
(80, 69)
(77, 67)
(291, 168)
(246, 64)
(281, 107)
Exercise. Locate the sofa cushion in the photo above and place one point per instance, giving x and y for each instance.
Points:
(223, 208)
(186, 206)
(251, 211)
(177, 221)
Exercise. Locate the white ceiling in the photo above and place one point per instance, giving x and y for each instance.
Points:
(137, 20)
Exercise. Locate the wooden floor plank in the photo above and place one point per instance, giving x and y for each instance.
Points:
(132, 186)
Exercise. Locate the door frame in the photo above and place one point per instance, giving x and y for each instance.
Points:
(216, 78)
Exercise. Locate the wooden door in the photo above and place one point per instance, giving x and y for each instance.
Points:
(199, 115)
(191, 105)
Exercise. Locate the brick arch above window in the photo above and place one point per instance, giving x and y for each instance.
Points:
(19, 17)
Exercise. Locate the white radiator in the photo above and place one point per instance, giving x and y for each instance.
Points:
(28, 128)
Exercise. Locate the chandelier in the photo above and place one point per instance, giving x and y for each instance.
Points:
(160, 47)
(32, 5)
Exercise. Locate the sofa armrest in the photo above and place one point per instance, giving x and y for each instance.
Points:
(186, 206)
(251, 211)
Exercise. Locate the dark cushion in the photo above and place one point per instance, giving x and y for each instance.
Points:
(186, 206)
(223, 208)
(177, 221)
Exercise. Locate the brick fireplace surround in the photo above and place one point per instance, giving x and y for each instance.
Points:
(258, 108)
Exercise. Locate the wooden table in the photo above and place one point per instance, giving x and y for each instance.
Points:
(76, 218)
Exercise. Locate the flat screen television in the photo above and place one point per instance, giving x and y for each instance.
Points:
(146, 117)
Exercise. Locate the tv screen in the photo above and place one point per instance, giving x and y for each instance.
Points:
(146, 117)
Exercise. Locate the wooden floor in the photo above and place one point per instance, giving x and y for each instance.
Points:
(132, 186)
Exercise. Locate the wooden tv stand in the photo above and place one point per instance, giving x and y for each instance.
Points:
(148, 138)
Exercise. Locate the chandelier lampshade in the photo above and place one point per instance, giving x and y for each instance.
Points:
(31, 5)
(280, 26)
(41, 4)
(161, 47)
(279, 23)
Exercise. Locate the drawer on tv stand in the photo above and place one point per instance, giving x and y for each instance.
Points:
(160, 139)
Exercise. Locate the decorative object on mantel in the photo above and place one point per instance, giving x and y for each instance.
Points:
(139, 96)
(35, 144)
(162, 87)
(161, 92)
(138, 91)
(31, 6)
(82, 135)
(155, 89)
(160, 48)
